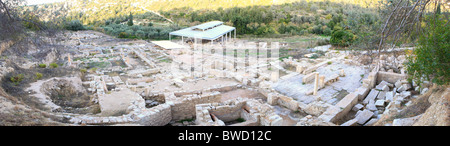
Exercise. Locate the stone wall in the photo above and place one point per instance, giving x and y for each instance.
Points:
(338, 111)
(255, 112)
(275, 98)
(157, 116)
(371, 80)
(184, 107)
(143, 72)
(228, 113)
(313, 68)
(389, 77)
(309, 77)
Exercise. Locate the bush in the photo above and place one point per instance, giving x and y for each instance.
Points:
(240, 120)
(430, 59)
(314, 56)
(83, 70)
(74, 25)
(17, 79)
(327, 31)
(53, 65)
(42, 65)
(93, 70)
(38, 76)
(123, 35)
(342, 38)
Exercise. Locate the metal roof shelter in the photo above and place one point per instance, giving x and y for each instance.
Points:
(206, 31)
(168, 45)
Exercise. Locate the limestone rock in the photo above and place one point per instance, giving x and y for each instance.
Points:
(364, 116)
(371, 122)
(352, 122)
(406, 121)
(380, 103)
(371, 106)
(372, 95)
(357, 107)
(424, 91)
(407, 86)
(342, 73)
(389, 96)
(398, 84)
(401, 89)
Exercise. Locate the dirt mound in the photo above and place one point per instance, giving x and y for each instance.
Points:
(432, 108)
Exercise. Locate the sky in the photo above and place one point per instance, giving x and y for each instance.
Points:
(34, 2)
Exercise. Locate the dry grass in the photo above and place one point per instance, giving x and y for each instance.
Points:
(417, 107)
(22, 117)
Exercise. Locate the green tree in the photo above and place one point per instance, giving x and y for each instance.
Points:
(431, 59)
(342, 38)
(130, 20)
(74, 25)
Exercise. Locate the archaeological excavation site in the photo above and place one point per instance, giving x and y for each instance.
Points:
(209, 74)
(104, 81)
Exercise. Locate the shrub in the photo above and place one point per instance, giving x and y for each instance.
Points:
(430, 59)
(123, 35)
(342, 38)
(38, 76)
(329, 62)
(83, 70)
(74, 25)
(42, 65)
(93, 70)
(130, 20)
(53, 65)
(314, 56)
(240, 120)
(17, 79)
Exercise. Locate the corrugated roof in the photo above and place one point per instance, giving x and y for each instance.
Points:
(208, 25)
(209, 34)
(168, 45)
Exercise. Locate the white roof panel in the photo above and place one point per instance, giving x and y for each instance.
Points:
(169, 45)
(208, 25)
(209, 34)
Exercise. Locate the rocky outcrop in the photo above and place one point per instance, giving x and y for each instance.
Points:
(437, 113)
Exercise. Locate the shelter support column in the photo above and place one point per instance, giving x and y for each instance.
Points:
(226, 37)
(234, 34)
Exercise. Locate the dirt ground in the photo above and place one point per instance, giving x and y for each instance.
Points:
(243, 93)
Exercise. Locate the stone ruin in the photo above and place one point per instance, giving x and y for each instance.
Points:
(137, 82)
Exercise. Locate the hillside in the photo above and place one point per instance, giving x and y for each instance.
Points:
(106, 9)
(257, 18)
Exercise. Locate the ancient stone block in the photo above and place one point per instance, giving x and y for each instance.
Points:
(357, 107)
(371, 122)
(371, 106)
(380, 103)
(308, 78)
(362, 92)
(364, 116)
(372, 95)
(389, 96)
(381, 95)
(405, 121)
(352, 122)
(347, 102)
(342, 73)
